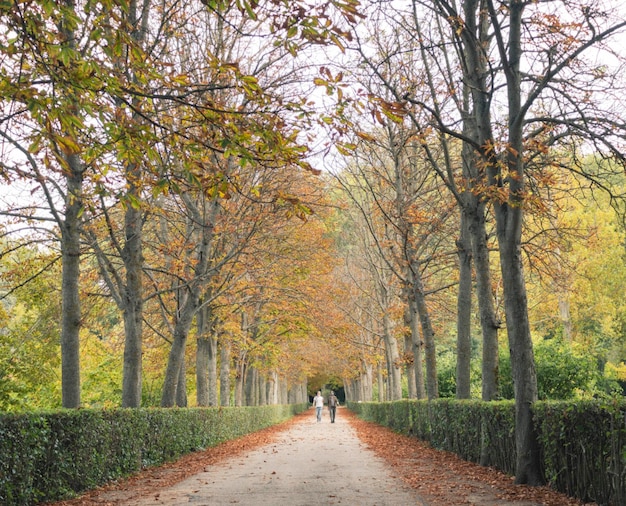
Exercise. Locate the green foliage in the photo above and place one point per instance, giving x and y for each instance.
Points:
(446, 375)
(563, 372)
(51, 456)
(101, 382)
(29, 334)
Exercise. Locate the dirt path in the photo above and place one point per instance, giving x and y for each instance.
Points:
(302, 462)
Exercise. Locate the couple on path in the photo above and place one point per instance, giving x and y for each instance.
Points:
(318, 402)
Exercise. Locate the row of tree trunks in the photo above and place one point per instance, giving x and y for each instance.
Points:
(257, 388)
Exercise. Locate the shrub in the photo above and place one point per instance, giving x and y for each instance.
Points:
(52, 456)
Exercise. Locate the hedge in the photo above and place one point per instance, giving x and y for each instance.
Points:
(54, 456)
(583, 444)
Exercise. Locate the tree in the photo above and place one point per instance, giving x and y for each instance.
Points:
(429, 82)
(402, 218)
(47, 133)
(508, 160)
(94, 83)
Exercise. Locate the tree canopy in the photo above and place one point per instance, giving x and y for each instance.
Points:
(216, 202)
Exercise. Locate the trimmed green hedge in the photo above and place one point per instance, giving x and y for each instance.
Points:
(584, 447)
(52, 456)
(583, 444)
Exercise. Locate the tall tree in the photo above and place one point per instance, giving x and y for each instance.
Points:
(430, 83)
(508, 160)
(49, 141)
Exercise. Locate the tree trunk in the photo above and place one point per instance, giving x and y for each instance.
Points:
(202, 357)
(261, 389)
(281, 390)
(417, 349)
(349, 389)
(224, 372)
(409, 365)
(273, 384)
(428, 334)
(367, 379)
(177, 354)
(250, 386)
(381, 384)
(294, 395)
(181, 390)
(566, 320)
(241, 368)
(189, 301)
(477, 126)
(509, 218)
(212, 367)
(71, 313)
(393, 367)
(202, 375)
(522, 363)
(488, 320)
(132, 255)
(464, 314)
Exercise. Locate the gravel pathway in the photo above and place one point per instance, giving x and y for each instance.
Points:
(310, 464)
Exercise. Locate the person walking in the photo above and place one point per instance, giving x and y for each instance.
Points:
(333, 402)
(318, 402)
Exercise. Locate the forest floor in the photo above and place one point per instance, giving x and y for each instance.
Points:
(437, 478)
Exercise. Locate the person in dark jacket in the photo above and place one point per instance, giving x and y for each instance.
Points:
(333, 402)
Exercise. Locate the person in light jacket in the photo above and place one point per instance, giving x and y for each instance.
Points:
(318, 403)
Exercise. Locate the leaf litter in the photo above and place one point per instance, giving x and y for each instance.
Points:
(440, 478)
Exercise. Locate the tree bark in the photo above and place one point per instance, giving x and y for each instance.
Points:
(190, 296)
(70, 228)
(488, 321)
(202, 357)
(367, 378)
(212, 367)
(71, 310)
(202, 375)
(428, 334)
(132, 255)
(409, 366)
(271, 389)
(381, 384)
(241, 367)
(177, 354)
(181, 390)
(393, 368)
(250, 386)
(509, 217)
(416, 338)
(522, 362)
(477, 126)
(224, 345)
(464, 314)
